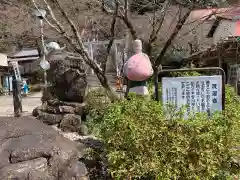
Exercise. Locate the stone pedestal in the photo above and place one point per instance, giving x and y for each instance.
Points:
(69, 116)
(64, 99)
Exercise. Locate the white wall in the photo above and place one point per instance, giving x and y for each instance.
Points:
(3, 60)
(225, 29)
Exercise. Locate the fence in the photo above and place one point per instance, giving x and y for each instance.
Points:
(98, 52)
(234, 76)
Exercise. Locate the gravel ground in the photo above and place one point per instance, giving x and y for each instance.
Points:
(73, 136)
(28, 103)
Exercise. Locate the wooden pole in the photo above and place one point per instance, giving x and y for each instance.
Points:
(17, 98)
(9, 88)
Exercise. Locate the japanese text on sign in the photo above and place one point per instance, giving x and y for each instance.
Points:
(197, 93)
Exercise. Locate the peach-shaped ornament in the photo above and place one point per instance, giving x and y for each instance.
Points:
(138, 67)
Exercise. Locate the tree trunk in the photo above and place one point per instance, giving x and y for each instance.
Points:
(104, 82)
(172, 37)
(147, 47)
(100, 75)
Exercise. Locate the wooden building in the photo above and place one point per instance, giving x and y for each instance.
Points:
(28, 60)
(226, 54)
(5, 75)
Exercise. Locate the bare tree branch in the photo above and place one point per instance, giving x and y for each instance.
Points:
(125, 18)
(129, 26)
(156, 26)
(123, 15)
(81, 50)
(48, 22)
(6, 2)
(192, 29)
(126, 8)
(112, 31)
(159, 22)
(176, 30)
(72, 25)
(79, 47)
(208, 16)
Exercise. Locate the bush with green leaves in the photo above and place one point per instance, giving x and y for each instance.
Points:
(142, 144)
(97, 100)
(180, 74)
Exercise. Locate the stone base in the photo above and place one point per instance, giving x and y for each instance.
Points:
(67, 115)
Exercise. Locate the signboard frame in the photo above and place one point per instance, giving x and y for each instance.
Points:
(189, 70)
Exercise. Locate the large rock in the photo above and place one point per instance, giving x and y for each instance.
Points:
(66, 109)
(70, 122)
(68, 81)
(50, 119)
(83, 130)
(55, 111)
(32, 150)
(45, 108)
(79, 108)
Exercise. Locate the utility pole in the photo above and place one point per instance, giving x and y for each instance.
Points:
(41, 14)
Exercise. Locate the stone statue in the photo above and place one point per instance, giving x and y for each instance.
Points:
(67, 76)
(64, 99)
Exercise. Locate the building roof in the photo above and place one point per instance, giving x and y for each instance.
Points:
(217, 15)
(26, 52)
(232, 13)
(25, 55)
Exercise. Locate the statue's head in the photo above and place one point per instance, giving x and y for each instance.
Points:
(52, 46)
(137, 45)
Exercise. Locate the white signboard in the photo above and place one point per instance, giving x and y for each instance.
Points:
(197, 93)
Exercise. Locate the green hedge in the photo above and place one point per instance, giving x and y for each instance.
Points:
(142, 144)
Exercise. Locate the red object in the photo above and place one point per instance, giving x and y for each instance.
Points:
(118, 83)
(237, 31)
(138, 67)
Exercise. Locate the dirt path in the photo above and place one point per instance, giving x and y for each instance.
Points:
(28, 103)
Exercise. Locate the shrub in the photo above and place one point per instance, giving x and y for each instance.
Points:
(180, 74)
(142, 144)
(97, 100)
